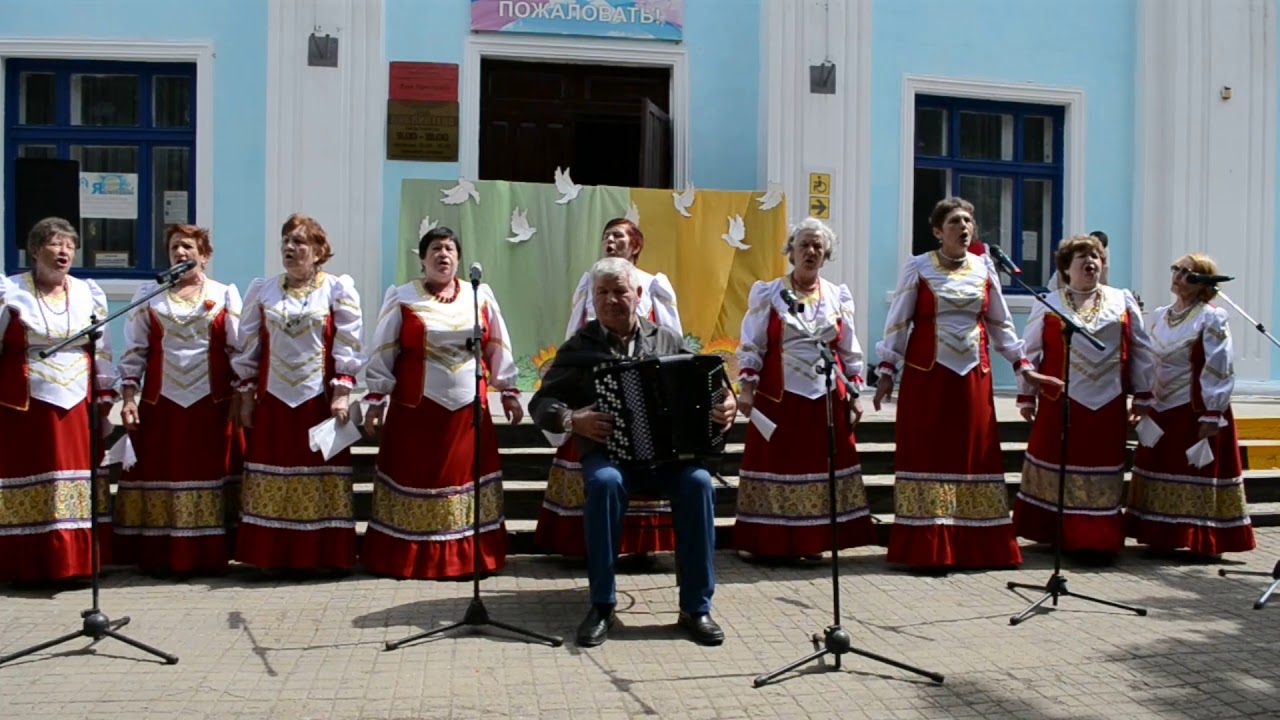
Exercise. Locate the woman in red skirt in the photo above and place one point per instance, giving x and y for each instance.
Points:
(170, 509)
(646, 526)
(424, 376)
(783, 497)
(44, 414)
(298, 352)
(950, 500)
(1092, 526)
(1173, 504)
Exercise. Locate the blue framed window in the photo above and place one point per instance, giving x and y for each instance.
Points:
(1006, 159)
(125, 123)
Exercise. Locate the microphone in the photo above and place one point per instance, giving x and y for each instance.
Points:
(175, 272)
(789, 297)
(1201, 279)
(1003, 260)
(476, 271)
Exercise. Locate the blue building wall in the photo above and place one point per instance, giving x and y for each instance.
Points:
(1092, 46)
(722, 38)
(238, 31)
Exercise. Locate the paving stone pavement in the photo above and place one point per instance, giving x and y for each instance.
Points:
(253, 647)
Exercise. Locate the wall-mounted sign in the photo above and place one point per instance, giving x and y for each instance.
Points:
(645, 19)
(422, 131)
(423, 82)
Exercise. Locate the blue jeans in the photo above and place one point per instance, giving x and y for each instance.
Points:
(693, 504)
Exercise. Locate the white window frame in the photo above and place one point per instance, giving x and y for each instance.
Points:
(1072, 100)
(587, 51)
(139, 51)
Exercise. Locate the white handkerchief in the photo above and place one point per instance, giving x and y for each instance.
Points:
(1200, 454)
(763, 424)
(122, 452)
(1149, 432)
(556, 439)
(329, 438)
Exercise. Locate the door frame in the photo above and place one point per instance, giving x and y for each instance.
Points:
(584, 51)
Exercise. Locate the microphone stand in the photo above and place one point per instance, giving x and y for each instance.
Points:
(1056, 586)
(834, 640)
(1275, 572)
(476, 614)
(96, 624)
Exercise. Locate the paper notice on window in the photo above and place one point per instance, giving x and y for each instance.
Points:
(1030, 246)
(113, 196)
(175, 207)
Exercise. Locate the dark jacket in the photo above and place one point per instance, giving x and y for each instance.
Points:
(570, 383)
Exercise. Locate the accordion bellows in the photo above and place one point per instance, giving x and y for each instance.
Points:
(662, 408)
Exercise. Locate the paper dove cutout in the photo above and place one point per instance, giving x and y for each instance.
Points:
(682, 200)
(457, 194)
(520, 226)
(772, 196)
(565, 186)
(737, 231)
(426, 226)
(633, 214)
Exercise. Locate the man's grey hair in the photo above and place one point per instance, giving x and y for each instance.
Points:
(615, 268)
(815, 225)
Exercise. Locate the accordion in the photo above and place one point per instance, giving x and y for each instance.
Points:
(661, 408)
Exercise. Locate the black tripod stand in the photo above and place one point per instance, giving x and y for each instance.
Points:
(1275, 572)
(96, 624)
(834, 640)
(476, 614)
(1056, 586)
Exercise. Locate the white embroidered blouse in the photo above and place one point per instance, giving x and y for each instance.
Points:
(62, 378)
(657, 303)
(301, 329)
(1174, 343)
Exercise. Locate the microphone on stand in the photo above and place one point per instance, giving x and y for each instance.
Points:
(175, 272)
(1202, 279)
(476, 272)
(1003, 261)
(789, 297)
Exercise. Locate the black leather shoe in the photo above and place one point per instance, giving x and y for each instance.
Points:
(701, 628)
(594, 629)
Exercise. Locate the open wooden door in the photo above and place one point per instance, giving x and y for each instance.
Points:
(655, 146)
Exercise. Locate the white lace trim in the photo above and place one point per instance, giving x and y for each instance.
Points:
(1190, 479)
(170, 532)
(437, 492)
(296, 470)
(803, 522)
(52, 526)
(339, 523)
(1079, 469)
(176, 485)
(55, 476)
(439, 535)
(958, 522)
(1199, 522)
(803, 478)
(950, 477)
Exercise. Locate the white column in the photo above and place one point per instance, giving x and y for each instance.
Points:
(1205, 164)
(325, 130)
(816, 133)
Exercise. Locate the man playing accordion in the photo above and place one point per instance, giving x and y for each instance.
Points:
(566, 403)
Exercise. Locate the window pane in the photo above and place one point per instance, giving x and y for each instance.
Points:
(992, 199)
(1037, 216)
(1037, 139)
(108, 224)
(986, 136)
(104, 100)
(931, 132)
(930, 187)
(39, 152)
(37, 101)
(170, 194)
(171, 105)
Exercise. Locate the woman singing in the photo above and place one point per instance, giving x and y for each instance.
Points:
(425, 372)
(170, 511)
(44, 413)
(646, 526)
(297, 354)
(1173, 504)
(783, 498)
(951, 505)
(1100, 415)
